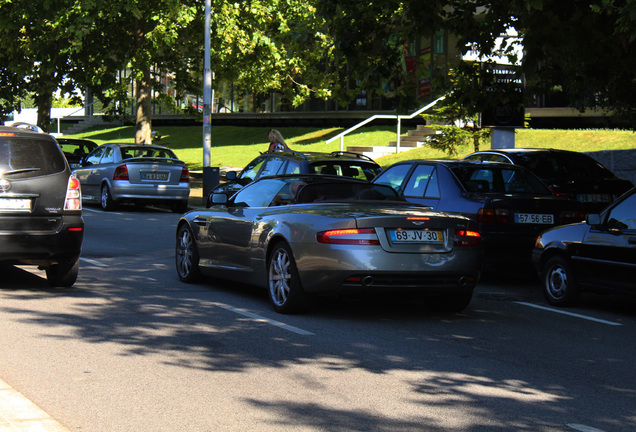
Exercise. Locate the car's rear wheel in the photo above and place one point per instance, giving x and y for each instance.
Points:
(63, 274)
(107, 201)
(559, 283)
(187, 256)
(284, 289)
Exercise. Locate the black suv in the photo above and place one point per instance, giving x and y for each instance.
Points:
(292, 162)
(40, 206)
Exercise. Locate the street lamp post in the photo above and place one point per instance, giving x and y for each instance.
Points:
(210, 175)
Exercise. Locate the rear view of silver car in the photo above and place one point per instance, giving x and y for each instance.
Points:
(133, 173)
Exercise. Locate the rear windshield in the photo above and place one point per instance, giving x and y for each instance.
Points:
(136, 152)
(501, 180)
(337, 192)
(353, 169)
(22, 157)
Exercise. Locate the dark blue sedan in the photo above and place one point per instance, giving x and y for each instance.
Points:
(510, 203)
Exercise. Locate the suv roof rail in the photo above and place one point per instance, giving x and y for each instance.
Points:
(348, 153)
(289, 151)
(28, 126)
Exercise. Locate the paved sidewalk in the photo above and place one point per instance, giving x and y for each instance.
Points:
(18, 414)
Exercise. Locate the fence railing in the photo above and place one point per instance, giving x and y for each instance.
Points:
(399, 119)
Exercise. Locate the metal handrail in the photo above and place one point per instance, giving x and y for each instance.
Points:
(385, 116)
(68, 115)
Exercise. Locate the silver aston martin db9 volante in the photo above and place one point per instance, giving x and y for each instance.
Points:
(304, 235)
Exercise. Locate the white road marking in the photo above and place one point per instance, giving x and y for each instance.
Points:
(571, 314)
(93, 262)
(583, 428)
(262, 319)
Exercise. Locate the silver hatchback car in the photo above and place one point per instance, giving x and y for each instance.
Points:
(119, 172)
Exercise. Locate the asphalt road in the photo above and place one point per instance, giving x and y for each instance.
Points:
(131, 348)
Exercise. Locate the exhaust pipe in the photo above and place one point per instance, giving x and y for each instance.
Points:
(368, 281)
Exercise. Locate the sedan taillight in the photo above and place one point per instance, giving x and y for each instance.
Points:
(73, 199)
(350, 236)
(121, 173)
(572, 216)
(500, 216)
(185, 175)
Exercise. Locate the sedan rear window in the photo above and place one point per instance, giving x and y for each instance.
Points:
(136, 152)
(500, 180)
(25, 157)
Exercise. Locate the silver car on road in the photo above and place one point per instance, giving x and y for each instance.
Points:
(299, 236)
(119, 172)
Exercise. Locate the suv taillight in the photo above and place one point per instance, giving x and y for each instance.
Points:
(121, 173)
(185, 175)
(73, 199)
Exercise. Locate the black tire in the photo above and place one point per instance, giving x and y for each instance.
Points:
(63, 274)
(187, 255)
(180, 206)
(455, 302)
(284, 290)
(106, 200)
(559, 283)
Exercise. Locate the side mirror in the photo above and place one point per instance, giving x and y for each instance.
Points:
(231, 175)
(216, 199)
(593, 219)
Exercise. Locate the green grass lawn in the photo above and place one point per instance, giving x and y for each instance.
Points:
(236, 146)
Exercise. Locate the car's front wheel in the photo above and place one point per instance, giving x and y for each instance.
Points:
(63, 274)
(107, 201)
(284, 289)
(559, 283)
(187, 255)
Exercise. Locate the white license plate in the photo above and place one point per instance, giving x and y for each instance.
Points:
(154, 176)
(533, 218)
(15, 204)
(594, 198)
(416, 236)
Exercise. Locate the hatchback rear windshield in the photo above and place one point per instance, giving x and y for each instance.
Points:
(26, 157)
(483, 179)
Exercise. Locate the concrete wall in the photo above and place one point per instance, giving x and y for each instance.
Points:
(620, 162)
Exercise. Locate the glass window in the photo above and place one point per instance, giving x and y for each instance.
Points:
(292, 167)
(94, 157)
(251, 170)
(272, 165)
(108, 157)
(260, 194)
(26, 157)
(416, 186)
(623, 216)
(394, 176)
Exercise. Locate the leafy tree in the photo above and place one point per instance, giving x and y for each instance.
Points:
(37, 41)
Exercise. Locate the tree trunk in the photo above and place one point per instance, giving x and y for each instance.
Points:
(143, 124)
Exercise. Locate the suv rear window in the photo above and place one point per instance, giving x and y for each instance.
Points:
(22, 157)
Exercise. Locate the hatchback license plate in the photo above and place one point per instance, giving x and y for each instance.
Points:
(154, 176)
(416, 236)
(533, 218)
(15, 204)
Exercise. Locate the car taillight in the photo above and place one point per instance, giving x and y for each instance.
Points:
(185, 175)
(121, 173)
(501, 216)
(560, 194)
(568, 217)
(350, 236)
(73, 199)
(467, 238)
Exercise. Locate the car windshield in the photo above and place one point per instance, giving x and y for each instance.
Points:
(25, 157)
(293, 190)
(149, 151)
(482, 179)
